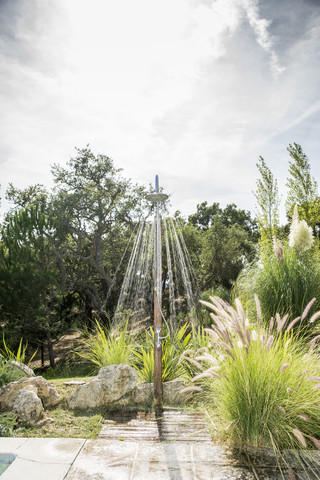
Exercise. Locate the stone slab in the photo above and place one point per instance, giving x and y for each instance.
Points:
(10, 445)
(40, 458)
(116, 460)
(50, 450)
(29, 470)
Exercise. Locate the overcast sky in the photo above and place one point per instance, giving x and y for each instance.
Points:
(194, 90)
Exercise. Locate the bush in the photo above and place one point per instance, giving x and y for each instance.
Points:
(105, 348)
(19, 355)
(172, 348)
(9, 373)
(8, 422)
(284, 285)
(263, 389)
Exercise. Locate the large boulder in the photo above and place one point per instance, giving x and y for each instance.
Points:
(171, 393)
(111, 384)
(142, 395)
(28, 406)
(44, 390)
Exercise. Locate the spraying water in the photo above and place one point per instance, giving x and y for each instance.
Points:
(176, 280)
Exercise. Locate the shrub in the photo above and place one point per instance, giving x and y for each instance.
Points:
(105, 348)
(263, 388)
(8, 421)
(19, 356)
(172, 348)
(8, 373)
(284, 284)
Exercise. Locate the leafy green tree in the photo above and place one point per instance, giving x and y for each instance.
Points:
(267, 196)
(224, 252)
(230, 216)
(96, 210)
(21, 198)
(220, 242)
(29, 276)
(302, 188)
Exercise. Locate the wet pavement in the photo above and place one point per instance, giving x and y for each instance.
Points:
(169, 445)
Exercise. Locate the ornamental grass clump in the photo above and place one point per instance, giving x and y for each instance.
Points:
(104, 348)
(172, 348)
(261, 387)
(286, 280)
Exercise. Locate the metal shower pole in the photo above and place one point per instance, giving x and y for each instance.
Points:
(157, 198)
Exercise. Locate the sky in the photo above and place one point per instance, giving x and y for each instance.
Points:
(192, 90)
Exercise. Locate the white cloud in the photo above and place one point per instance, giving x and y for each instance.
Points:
(192, 90)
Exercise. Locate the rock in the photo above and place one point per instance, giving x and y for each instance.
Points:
(111, 384)
(44, 421)
(171, 393)
(74, 382)
(141, 395)
(24, 368)
(44, 390)
(28, 406)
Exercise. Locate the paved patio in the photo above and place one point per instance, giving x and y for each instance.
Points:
(79, 459)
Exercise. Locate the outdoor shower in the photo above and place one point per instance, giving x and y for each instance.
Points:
(157, 198)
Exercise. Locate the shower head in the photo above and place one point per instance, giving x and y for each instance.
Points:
(157, 196)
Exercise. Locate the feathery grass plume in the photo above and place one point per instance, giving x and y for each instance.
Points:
(315, 317)
(286, 287)
(293, 323)
(301, 236)
(284, 366)
(258, 308)
(307, 309)
(312, 343)
(315, 442)
(262, 393)
(277, 248)
(191, 389)
(300, 437)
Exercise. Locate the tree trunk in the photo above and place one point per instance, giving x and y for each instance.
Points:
(50, 349)
(42, 355)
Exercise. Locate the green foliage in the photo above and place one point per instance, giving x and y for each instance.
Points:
(224, 252)
(73, 369)
(105, 348)
(9, 373)
(302, 188)
(19, 356)
(63, 253)
(21, 198)
(220, 291)
(260, 387)
(268, 201)
(285, 285)
(172, 348)
(28, 275)
(8, 421)
(229, 216)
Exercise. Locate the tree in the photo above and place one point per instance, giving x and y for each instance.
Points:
(95, 210)
(220, 242)
(29, 282)
(302, 188)
(64, 254)
(34, 194)
(268, 201)
(231, 215)
(224, 252)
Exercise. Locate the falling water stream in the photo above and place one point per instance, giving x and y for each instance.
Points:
(135, 304)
